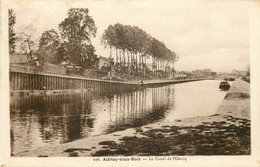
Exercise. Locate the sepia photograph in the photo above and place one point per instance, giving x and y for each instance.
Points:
(129, 80)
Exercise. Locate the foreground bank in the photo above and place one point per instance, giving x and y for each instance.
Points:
(225, 133)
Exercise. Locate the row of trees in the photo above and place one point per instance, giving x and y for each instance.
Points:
(72, 44)
(132, 46)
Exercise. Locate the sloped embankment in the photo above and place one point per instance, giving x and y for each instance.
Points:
(237, 101)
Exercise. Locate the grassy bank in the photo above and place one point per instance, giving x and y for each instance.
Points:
(226, 137)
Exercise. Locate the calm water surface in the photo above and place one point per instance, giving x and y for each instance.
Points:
(38, 121)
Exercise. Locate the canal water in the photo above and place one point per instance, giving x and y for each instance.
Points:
(38, 121)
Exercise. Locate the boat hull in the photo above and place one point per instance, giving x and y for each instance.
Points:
(224, 86)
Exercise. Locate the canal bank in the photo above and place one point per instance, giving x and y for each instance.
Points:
(30, 83)
(223, 133)
(237, 101)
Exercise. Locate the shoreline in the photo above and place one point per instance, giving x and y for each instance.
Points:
(225, 133)
(124, 86)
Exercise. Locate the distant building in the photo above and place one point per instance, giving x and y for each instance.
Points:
(103, 62)
(192, 75)
(20, 62)
(180, 75)
(72, 69)
(206, 72)
(233, 74)
(241, 73)
(188, 75)
(18, 58)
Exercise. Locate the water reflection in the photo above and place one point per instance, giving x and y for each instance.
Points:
(139, 108)
(38, 121)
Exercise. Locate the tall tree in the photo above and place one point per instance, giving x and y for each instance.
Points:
(139, 45)
(48, 50)
(76, 33)
(89, 59)
(12, 37)
(27, 42)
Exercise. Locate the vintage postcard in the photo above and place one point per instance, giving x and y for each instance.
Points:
(130, 83)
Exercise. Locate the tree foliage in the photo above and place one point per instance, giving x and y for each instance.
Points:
(133, 40)
(48, 50)
(76, 32)
(12, 37)
(78, 27)
(27, 43)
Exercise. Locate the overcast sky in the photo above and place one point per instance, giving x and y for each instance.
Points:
(205, 34)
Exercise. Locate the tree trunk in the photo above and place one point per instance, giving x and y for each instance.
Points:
(128, 63)
(116, 60)
(123, 62)
(136, 65)
(120, 59)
